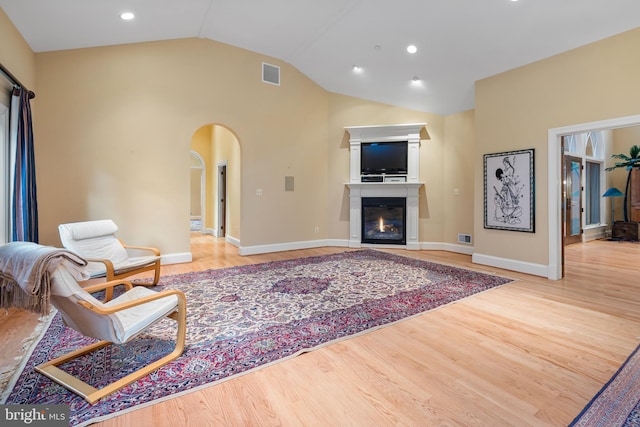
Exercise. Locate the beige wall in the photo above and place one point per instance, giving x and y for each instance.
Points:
(201, 144)
(458, 170)
(195, 205)
(515, 110)
(121, 118)
(16, 55)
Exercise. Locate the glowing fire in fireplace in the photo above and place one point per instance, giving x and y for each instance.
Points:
(383, 227)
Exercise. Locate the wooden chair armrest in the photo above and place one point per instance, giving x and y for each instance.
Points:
(125, 305)
(107, 285)
(108, 264)
(110, 273)
(155, 251)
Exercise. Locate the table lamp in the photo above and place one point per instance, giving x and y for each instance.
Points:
(612, 192)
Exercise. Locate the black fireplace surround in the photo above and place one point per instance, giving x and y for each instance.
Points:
(383, 220)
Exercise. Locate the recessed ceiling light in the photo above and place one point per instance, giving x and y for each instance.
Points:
(415, 81)
(412, 49)
(127, 16)
(356, 69)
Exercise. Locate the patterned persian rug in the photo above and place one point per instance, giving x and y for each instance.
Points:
(243, 318)
(618, 402)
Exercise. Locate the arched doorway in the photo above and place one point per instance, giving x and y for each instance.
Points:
(219, 149)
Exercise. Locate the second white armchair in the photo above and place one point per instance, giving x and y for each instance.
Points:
(107, 255)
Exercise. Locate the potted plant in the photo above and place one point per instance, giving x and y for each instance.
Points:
(629, 162)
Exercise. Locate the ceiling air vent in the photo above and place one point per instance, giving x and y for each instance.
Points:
(270, 74)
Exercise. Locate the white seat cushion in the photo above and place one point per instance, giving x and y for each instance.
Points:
(128, 323)
(97, 269)
(118, 327)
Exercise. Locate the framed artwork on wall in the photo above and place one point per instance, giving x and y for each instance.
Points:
(509, 199)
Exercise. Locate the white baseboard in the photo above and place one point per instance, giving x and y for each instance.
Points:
(504, 263)
(510, 264)
(448, 247)
(279, 247)
(460, 249)
(232, 241)
(385, 246)
(290, 246)
(177, 258)
(593, 234)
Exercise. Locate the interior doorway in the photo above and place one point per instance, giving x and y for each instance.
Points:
(222, 198)
(555, 268)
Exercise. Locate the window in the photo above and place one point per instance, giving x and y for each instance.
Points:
(594, 152)
(589, 149)
(593, 191)
(570, 144)
(597, 145)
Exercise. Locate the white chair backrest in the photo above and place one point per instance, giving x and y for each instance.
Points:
(65, 294)
(94, 239)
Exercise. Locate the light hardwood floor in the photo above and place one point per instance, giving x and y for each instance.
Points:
(530, 353)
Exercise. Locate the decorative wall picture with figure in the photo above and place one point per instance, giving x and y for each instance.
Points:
(509, 191)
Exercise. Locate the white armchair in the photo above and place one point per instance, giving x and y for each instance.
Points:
(117, 321)
(33, 276)
(108, 257)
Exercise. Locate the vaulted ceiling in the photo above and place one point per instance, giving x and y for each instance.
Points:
(457, 41)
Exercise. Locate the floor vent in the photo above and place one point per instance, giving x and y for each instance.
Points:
(270, 74)
(464, 238)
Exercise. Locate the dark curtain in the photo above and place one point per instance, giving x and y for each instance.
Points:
(24, 205)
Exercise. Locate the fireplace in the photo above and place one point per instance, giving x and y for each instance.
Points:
(383, 220)
(399, 192)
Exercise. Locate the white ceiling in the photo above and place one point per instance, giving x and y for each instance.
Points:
(459, 41)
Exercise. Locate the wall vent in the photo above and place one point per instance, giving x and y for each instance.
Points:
(464, 238)
(270, 74)
(288, 183)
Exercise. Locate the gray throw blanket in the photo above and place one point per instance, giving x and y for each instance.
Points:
(25, 274)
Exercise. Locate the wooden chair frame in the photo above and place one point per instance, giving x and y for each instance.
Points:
(91, 394)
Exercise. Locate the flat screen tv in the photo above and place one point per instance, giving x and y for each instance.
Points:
(378, 158)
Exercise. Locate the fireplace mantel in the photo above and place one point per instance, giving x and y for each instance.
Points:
(380, 133)
(394, 189)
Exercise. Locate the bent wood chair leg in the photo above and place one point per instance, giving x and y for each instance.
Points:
(91, 394)
(156, 273)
